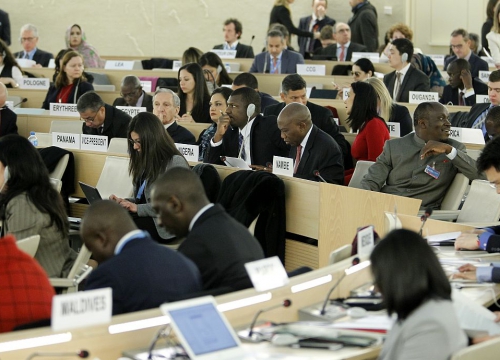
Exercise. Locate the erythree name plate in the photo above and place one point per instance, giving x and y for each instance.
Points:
(190, 152)
(466, 135)
(81, 309)
(267, 274)
(65, 140)
(225, 54)
(94, 143)
(63, 109)
(34, 84)
(308, 69)
(132, 110)
(417, 97)
(394, 129)
(119, 65)
(282, 166)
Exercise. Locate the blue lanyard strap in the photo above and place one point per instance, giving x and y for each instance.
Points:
(141, 190)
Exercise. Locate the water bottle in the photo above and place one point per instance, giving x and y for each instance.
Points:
(33, 139)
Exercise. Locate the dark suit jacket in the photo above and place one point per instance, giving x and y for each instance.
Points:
(144, 275)
(8, 120)
(220, 246)
(180, 134)
(289, 61)
(401, 115)
(281, 15)
(265, 142)
(4, 27)
(331, 50)
(451, 95)
(266, 100)
(323, 154)
(242, 51)
(476, 64)
(364, 26)
(41, 57)
(115, 124)
(473, 114)
(81, 88)
(322, 118)
(147, 102)
(414, 80)
(304, 25)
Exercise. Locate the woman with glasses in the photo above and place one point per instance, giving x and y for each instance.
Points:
(152, 152)
(76, 40)
(70, 83)
(10, 71)
(194, 94)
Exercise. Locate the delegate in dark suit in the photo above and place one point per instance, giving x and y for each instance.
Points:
(450, 95)
(468, 118)
(220, 246)
(323, 119)
(81, 88)
(144, 275)
(41, 57)
(180, 134)
(115, 124)
(414, 80)
(5, 27)
(265, 142)
(242, 51)
(401, 115)
(289, 61)
(476, 64)
(305, 25)
(8, 119)
(147, 102)
(323, 154)
(364, 26)
(266, 100)
(331, 50)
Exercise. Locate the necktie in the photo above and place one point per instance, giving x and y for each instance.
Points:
(311, 41)
(461, 100)
(26, 56)
(241, 146)
(297, 158)
(100, 130)
(479, 123)
(397, 88)
(275, 65)
(342, 53)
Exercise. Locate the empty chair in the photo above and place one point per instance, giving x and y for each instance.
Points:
(153, 79)
(65, 126)
(487, 350)
(359, 172)
(29, 245)
(340, 254)
(118, 145)
(115, 178)
(99, 79)
(77, 274)
(58, 172)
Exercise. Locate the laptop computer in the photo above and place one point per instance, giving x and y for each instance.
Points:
(91, 193)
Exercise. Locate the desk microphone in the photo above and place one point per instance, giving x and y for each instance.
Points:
(82, 354)
(423, 218)
(20, 102)
(251, 41)
(285, 303)
(318, 175)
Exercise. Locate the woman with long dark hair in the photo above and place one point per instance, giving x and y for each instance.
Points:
(10, 71)
(31, 206)
(152, 152)
(415, 288)
(193, 93)
(214, 69)
(362, 111)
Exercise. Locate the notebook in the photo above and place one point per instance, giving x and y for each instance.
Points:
(91, 193)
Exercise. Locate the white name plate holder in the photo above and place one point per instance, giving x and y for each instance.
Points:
(146, 85)
(66, 140)
(81, 309)
(282, 166)
(225, 54)
(394, 129)
(132, 110)
(267, 274)
(366, 240)
(176, 65)
(484, 76)
(308, 69)
(467, 136)
(417, 97)
(482, 99)
(94, 143)
(52, 64)
(438, 59)
(372, 56)
(34, 83)
(119, 65)
(63, 109)
(190, 152)
(345, 93)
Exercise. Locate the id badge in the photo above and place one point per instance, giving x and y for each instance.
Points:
(429, 170)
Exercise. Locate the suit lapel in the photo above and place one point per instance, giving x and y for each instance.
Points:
(284, 62)
(307, 150)
(405, 82)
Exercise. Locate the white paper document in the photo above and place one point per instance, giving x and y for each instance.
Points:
(237, 163)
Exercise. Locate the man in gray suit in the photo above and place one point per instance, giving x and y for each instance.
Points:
(277, 59)
(423, 164)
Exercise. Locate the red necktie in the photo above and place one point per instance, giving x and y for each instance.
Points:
(342, 53)
(297, 158)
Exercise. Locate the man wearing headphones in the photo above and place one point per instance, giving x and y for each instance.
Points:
(406, 78)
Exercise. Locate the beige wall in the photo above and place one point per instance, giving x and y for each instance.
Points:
(163, 27)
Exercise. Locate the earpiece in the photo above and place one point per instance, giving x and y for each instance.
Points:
(250, 110)
(6, 175)
(219, 69)
(3, 53)
(404, 57)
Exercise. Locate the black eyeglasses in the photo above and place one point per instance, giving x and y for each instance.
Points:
(90, 119)
(133, 142)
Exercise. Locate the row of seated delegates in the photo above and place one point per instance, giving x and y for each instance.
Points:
(132, 94)
(460, 45)
(493, 37)
(152, 152)
(233, 30)
(294, 89)
(76, 40)
(311, 147)
(10, 71)
(343, 47)
(406, 77)
(462, 87)
(315, 22)
(193, 93)
(32, 205)
(215, 71)
(166, 106)
(422, 164)
(277, 59)
(8, 118)
(70, 83)
(363, 117)
(29, 41)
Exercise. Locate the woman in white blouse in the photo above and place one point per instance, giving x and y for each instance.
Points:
(10, 72)
(494, 37)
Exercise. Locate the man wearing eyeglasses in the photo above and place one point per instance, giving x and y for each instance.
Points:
(132, 94)
(460, 44)
(100, 118)
(29, 41)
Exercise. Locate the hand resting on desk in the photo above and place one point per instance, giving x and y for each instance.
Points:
(468, 240)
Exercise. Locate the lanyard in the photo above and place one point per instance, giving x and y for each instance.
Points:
(141, 190)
